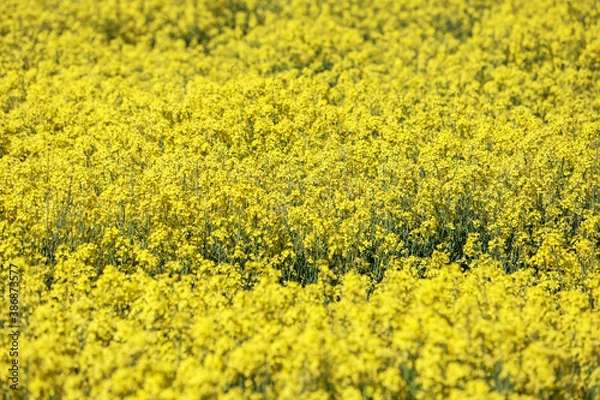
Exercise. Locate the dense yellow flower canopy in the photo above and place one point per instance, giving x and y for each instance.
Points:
(299, 199)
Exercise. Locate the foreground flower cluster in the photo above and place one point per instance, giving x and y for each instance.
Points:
(301, 199)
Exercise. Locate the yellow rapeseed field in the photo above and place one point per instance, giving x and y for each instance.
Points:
(300, 199)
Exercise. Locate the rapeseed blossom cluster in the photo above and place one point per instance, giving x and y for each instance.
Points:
(301, 199)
